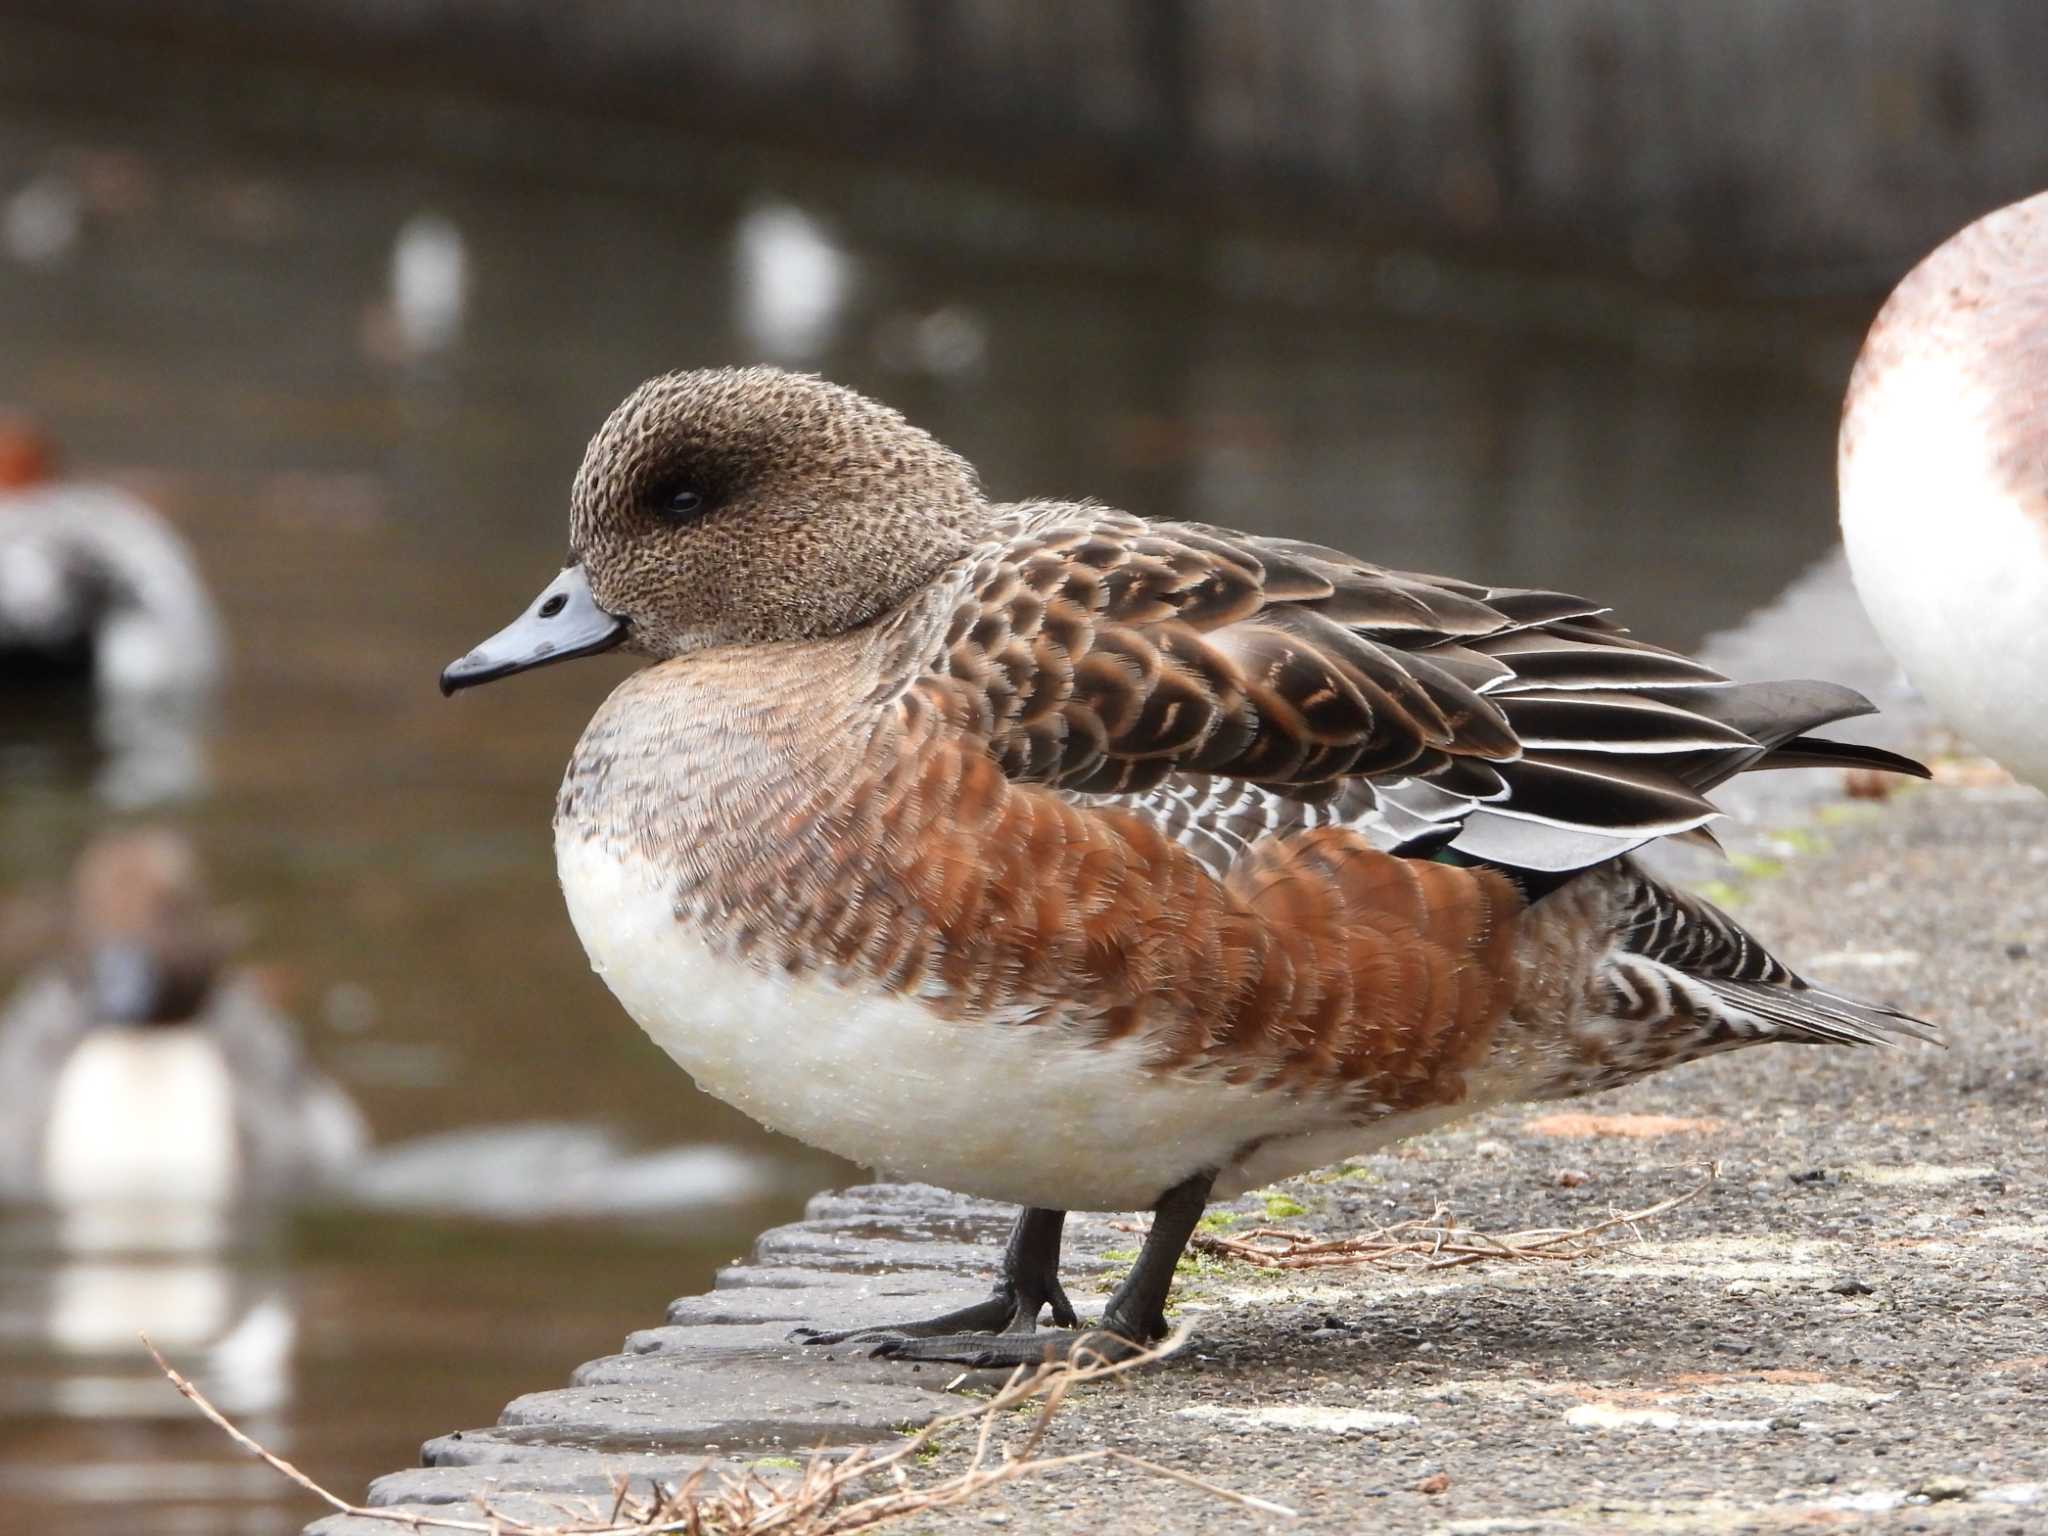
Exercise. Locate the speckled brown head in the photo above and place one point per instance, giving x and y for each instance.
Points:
(739, 505)
(734, 506)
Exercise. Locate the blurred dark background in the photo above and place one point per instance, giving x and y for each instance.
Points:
(1761, 143)
(1558, 293)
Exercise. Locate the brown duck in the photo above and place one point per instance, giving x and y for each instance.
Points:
(141, 1069)
(1067, 858)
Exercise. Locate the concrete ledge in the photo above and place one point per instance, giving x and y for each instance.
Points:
(719, 1384)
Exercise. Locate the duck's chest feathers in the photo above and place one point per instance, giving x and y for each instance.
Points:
(143, 1114)
(751, 914)
(1021, 1106)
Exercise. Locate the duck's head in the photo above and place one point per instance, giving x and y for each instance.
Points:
(738, 506)
(26, 457)
(145, 944)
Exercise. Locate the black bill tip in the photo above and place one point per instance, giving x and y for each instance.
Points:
(563, 622)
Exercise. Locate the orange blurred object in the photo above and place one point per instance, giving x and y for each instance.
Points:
(26, 455)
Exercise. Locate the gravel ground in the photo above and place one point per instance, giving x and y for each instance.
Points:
(1847, 1329)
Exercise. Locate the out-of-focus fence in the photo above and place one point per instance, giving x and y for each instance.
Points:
(1806, 139)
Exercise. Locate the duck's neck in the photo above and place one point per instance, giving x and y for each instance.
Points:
(731, 770)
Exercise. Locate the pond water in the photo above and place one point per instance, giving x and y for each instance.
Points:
(374, 479)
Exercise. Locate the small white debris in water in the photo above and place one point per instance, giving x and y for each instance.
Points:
(947, 342)
(41, 223)
(793, 280)
(429, 282)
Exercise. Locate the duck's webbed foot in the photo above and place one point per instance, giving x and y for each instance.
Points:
(1003, 1331)
(1028, 1284)
(1009, 1350)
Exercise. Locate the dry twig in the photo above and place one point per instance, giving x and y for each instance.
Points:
(821, 1501)
(1435, 1240)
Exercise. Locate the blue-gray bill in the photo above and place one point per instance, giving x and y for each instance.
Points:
(127, 983)
(564, 621)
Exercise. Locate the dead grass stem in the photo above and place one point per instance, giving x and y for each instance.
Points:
(1434, 1241)
(832, 1495)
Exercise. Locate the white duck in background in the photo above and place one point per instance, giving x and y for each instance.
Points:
(97, 593)
(1944, 482)
(91, 563)
(140, 1076)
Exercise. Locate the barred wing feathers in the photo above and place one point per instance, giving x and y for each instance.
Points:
(1237, 686)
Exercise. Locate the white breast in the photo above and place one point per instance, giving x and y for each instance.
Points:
(1952, 569)
(1014, 1111)
(142, 1115)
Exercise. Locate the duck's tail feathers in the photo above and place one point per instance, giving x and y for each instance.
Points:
(1719, 978)
(1604, 771)
(1799, 1011)
(1775, 712)
(1778, 717)
(1818, 752)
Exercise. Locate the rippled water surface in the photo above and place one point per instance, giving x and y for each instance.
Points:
(372, 486)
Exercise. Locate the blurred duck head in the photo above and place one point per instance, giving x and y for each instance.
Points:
(145, 943)
(26, 457)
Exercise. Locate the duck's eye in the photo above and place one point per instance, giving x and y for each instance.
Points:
(679, 503)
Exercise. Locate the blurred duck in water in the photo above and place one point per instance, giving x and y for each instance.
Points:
(1944, 482)
(101, 601)
(139, 1070)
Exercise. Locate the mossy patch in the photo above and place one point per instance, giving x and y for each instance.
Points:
(1344, 1173)
(1721, 893)
(1797, 840)
(1281, 1206)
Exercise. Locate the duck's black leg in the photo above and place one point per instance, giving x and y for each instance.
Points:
(1029, 1282)
(1135, 1316)
(1137, 1309)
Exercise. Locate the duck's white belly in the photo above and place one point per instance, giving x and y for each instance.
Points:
(139, 1115)
(1952, 569)
(1010, 1111)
